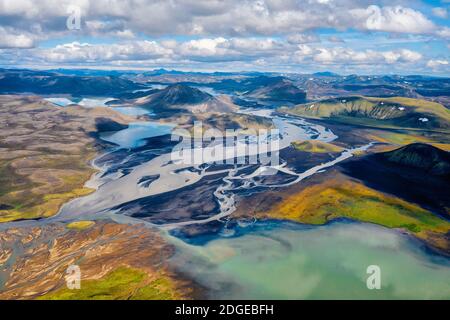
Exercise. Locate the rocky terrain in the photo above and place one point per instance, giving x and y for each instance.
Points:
(115, 261)
(45, 152)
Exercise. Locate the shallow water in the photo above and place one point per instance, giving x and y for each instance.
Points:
(132, 111)
(85, 102)
(276, 260)
(134, 135)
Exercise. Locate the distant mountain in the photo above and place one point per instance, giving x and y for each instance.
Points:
(394, 85)
(326, 74)
(44, 82)
(161, 71)
(276, 89)
(422, 156)
(181, 97)
(93, 72)
(262, 87)
(176, 94)
(378, 112)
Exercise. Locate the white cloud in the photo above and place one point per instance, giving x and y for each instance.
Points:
(394, 19)
(437, 63)
(303, 38)
(349, 56)
(10, 39)
(336, 39)
(444, 32)
(84, 52)
(239, 32)
(212, 17)
(203, 47)
(440, 12)
(258, 51)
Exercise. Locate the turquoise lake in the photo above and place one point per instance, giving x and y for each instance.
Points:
(284, 261)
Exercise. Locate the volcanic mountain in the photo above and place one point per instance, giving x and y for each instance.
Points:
(418, 173)
(277, 89)
(180, 97)
(421, 156)
(262, 87)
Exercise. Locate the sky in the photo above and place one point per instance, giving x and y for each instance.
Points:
(300, 36)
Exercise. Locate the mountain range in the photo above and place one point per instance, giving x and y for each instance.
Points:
(43, 82)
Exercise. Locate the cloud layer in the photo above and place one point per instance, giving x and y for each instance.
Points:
(244, 32)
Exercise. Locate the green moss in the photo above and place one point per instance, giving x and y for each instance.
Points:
(335, 199)
(156, 290)
(316, 147)
(123, 283)
(36, 206)
(388, 113)
(80, 225)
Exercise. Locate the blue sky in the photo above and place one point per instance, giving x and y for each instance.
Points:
(344, 36)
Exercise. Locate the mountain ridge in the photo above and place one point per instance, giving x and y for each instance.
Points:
(389, 112)
(179, 97)
(422, 156)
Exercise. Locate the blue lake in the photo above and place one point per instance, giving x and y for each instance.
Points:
(134, 135)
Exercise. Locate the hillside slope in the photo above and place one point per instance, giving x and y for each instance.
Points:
(418, 173)
(179, 98)
(45, 152)
(382, 112)
(278, 89)
(421, 156)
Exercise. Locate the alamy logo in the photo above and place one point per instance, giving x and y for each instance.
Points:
(73, 277)
(236, 146)
(374, 280)
(73, 22)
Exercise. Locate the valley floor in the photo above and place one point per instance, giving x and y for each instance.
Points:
(198, 231)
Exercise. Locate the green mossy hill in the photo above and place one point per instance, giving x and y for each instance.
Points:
(378, 112)
(176, 95)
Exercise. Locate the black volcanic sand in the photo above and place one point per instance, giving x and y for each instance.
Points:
(197, 201)
(301, 161)
(409, 183)
(154, 147)
(194, 202)
(348, 135)
(275, 179)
